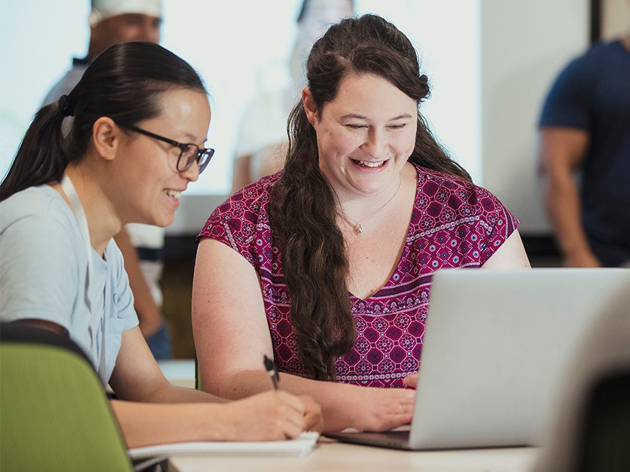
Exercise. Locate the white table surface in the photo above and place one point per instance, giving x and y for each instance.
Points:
(330, 455)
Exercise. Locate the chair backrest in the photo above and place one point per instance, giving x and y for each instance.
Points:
(604, 442)
(589, 430)
(54, 411)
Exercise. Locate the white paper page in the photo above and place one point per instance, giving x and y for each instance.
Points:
(298, 447)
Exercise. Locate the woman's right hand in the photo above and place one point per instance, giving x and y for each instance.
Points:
(411, 381)
(313, 415)
(268, 416)
(379, 409)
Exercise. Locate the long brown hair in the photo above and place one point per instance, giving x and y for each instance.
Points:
(303, 207)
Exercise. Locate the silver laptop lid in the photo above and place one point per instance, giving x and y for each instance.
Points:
(496, 344)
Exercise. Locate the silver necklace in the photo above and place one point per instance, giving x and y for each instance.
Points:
(357, 226)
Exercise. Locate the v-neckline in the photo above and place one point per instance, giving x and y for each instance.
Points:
(405, 247)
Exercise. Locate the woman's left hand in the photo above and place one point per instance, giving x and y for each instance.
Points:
(411, 381)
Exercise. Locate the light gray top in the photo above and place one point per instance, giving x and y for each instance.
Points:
(43, 275)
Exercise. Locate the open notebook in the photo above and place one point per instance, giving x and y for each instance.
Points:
(298, 447)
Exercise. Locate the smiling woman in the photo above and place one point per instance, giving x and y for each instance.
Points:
(330, 261)
(121, 147)
(364, 141)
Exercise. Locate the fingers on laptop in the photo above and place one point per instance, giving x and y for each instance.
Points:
(411, 381)
(393, 411)
(404, 410)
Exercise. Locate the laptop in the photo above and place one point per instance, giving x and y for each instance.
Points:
(496, 345)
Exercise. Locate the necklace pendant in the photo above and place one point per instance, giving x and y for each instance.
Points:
(358, 228)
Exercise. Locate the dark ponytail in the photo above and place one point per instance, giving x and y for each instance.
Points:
(123, 83)
(41, 157)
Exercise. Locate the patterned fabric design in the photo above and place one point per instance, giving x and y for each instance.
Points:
(454, 224)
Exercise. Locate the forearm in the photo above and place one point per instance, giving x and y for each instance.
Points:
(341, 404)
(562, 201)
(138, 378)
(170, 393)
(562, 152)
(273, 415)
(144, 424)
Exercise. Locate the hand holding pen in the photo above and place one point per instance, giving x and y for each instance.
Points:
(312, 412)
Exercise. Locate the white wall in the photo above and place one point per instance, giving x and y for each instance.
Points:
(240, 48)
(524, 46)
(615, 18)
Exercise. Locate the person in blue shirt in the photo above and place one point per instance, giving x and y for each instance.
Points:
(585, 130)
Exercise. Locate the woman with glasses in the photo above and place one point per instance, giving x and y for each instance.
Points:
(120, 148)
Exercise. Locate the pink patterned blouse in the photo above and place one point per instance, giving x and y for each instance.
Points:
(454, 224)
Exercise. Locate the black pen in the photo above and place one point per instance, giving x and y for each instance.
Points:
(272, 370)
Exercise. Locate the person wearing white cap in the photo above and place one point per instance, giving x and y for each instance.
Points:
(112, 22)
(262, 139)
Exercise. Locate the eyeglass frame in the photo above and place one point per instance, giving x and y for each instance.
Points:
(201, 152)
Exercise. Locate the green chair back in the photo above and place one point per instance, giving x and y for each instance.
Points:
(54, 412)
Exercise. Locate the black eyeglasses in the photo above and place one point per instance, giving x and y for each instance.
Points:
(189, 152)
